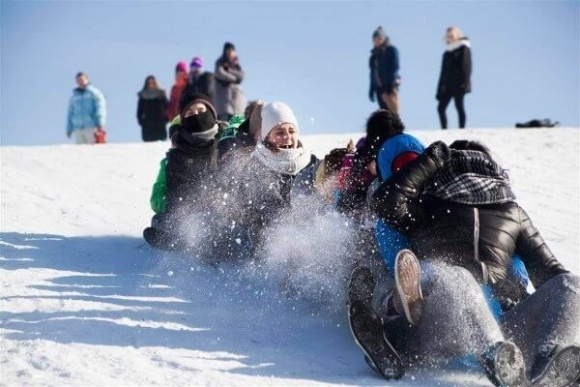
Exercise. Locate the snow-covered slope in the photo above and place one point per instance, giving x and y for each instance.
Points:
(85, 302)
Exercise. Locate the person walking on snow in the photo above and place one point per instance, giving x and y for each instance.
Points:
(455, 77)
(87, 112)
(384, 72)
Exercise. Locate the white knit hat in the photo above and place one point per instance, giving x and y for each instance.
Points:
(274, 114)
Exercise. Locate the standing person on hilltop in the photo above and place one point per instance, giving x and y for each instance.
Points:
(200, 81)
(229, 96)
(87, 112)
(455, 78)
(151, 111)
(177, 90)
(384, 65)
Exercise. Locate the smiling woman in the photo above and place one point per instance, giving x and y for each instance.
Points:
(267, 179)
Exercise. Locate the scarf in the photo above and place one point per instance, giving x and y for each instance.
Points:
(204, 136)
(471, 178)
(285, 161)
(151, 93)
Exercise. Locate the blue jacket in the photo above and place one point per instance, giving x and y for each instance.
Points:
(384, 66)
(389, 240)
(86, 109)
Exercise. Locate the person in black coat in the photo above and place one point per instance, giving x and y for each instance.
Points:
(456, 208)
(455, 78)
(151, 110)
(200, 81)
(439, 200)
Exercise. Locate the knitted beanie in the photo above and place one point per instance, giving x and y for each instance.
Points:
(196, 62)
(181, 66)
(190, 98)
(274, 114)
(379, 33)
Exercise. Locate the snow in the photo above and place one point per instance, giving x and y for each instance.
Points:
(85, 302)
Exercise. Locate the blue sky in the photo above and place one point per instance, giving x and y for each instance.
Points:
(312, 55)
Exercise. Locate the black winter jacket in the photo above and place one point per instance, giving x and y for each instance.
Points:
(151, 115)
(455, 77)
(263, 194)
(190, 173)
(482, 239)
(204, 84)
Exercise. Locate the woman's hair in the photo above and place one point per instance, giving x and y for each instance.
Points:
(470, 145)
(150, 77)
(455, 32)
(250, 107)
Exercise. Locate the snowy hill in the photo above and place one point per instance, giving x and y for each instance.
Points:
(85, 302)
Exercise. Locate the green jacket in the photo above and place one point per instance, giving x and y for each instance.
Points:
(232, 129)
(159, 192)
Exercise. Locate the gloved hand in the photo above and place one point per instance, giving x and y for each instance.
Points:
(509, 292)
(438, 152)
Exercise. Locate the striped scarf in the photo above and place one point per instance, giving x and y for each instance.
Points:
(471, 178)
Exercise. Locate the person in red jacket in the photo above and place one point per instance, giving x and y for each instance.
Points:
(177, 90)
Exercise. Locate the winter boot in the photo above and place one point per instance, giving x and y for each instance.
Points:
(361, 285)
(408, 280)
(160, 239)
(504, 365)
(367, 327)
(557, 369)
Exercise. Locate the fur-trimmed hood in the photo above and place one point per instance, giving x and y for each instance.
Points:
(458, 44)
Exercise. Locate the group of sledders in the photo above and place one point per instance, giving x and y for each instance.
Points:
(460, 251)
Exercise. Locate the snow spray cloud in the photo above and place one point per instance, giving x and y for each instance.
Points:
(457, 319)
(305, 254)
(308, 251)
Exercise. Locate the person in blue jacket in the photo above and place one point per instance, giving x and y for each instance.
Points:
(87, 112)
(384, 72)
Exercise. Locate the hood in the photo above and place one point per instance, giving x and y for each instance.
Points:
(394, 147)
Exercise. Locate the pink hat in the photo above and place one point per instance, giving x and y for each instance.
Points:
(181, 66)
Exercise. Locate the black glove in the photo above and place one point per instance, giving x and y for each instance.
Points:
(438, 152)
(333, 160)
(509, 292)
